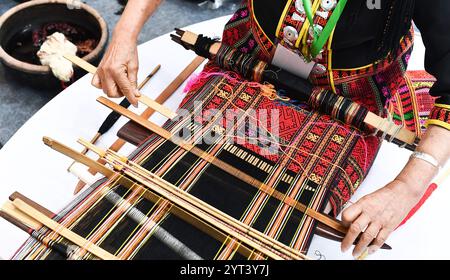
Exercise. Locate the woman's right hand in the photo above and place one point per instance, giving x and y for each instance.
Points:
(117, 72)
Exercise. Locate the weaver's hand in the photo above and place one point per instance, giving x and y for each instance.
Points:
(117, 72)
(377, 215)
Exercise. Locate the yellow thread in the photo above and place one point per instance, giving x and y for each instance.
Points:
(445, 106)
(437, 123)
(330, 62)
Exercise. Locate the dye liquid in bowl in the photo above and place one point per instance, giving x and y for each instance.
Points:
(25, 44)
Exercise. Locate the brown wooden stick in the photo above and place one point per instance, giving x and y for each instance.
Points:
(148, 112)
(9, 209)
(45, 211)
(63, 231)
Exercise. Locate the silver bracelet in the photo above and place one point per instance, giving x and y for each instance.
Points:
(427, 157)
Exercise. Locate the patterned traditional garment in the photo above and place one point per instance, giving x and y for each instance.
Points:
(383, 87)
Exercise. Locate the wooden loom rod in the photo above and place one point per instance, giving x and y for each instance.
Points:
(58, 246)
(63, 231)
(9, 209)
(94, 165)
(330, 222)
(165, 111)
(333, 223)
(202, 209)
(163, 97)
(372, 120)
(39, 207)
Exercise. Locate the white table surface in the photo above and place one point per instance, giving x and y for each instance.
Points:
(30, 167)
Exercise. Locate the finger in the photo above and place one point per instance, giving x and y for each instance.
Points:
(366, 238)
(96, 81)
(354, 231)
(109, 86)
(351, 213)
(126, 87)
(381, 238)
(133, 78)
(133, 75)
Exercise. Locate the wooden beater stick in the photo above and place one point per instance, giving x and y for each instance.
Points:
(143, 99)
(148, 112)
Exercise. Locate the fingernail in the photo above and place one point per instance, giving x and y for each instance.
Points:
(362, 256)
(137, 93)
(136, 105)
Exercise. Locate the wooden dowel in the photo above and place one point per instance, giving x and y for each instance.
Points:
(163, 110)
(149, 76)
(331, 222)
(162, 98)
(77, 156)
(9, 209)
(180, 198)
(39, 207)
(63, 231)
(403, 134)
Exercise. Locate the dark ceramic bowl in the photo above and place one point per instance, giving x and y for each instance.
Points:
(39, 13)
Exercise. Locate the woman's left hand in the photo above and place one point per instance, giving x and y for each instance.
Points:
(376, 216)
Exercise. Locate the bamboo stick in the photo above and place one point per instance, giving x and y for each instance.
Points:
(63, 231)
(163, 110)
